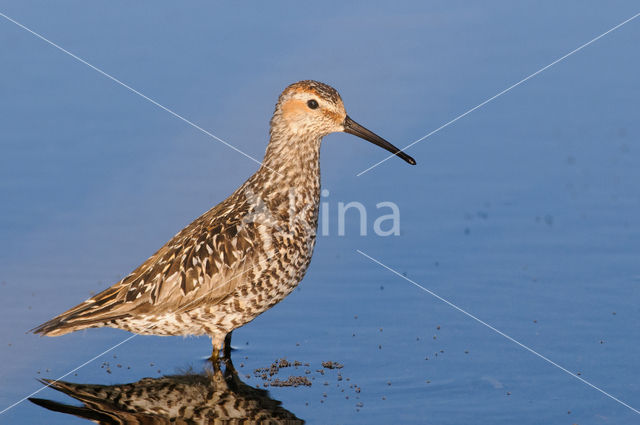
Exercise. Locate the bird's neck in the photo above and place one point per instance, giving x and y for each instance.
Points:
(293, 161)
(289, 178)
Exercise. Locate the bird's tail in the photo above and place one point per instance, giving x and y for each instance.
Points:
(94, 312)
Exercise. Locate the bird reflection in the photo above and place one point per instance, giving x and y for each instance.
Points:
(217, 396)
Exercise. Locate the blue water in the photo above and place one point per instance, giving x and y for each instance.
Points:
(524, 213)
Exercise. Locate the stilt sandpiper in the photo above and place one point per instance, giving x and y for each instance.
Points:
(245, 254)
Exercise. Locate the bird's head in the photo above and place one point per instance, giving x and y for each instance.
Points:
(313, 109)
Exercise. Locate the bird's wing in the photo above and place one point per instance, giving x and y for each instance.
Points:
(204, 262)
(207, 259)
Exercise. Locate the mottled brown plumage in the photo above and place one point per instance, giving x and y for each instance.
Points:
(245, 254)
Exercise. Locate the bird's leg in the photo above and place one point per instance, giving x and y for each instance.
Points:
(230, 374)
(227, 346)
(229, 369)
(215, 354)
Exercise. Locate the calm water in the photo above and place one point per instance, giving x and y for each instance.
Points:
(525, 213)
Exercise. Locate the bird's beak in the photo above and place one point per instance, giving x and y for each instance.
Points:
(352, 127)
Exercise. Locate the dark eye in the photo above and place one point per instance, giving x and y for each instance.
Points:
(313, 104)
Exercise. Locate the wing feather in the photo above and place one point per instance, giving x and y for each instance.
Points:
(202, 263)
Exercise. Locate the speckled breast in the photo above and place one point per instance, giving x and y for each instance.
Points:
(284, 229)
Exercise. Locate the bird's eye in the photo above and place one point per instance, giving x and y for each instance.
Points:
(313, 104)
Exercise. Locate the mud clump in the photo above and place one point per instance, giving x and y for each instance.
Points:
(271, 376)
(292, 381)
(268, 374)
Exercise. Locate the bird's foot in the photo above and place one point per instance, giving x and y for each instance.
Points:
(215, 359)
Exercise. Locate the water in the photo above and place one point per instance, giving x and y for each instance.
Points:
(525, 213)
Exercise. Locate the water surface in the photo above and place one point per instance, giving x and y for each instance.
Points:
(525, 213)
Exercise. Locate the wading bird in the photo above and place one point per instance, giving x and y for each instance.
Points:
(244, 255)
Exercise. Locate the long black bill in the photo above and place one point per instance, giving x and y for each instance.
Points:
(352, 127)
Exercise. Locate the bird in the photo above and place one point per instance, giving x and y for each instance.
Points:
(210, 397)
(245, 254)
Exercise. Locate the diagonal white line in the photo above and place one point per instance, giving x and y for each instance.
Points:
(131, 89)
(67, 374)
(480, 105)
(131, 337)
(531, 350)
